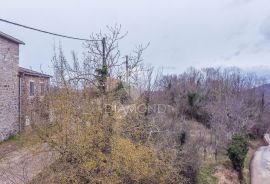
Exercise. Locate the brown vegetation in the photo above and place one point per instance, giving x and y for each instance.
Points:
(99, 143)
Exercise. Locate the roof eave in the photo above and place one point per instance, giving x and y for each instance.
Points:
(25, 71)
(10, 38)
(35, 75)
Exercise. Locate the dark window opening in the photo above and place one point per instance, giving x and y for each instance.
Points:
(42, 89)
(32, 88)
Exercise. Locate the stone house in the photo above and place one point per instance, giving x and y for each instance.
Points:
(18, 88)
(33, 87)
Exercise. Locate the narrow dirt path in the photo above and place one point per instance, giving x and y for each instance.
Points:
(20, 166)
(260, 166)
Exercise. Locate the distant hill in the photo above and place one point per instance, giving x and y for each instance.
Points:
(267, 93)
(266, 89)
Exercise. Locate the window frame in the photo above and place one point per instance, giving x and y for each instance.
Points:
(31, 91)
(42, 89)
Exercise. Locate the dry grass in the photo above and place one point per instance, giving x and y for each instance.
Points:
(221, 172)
(14, 143)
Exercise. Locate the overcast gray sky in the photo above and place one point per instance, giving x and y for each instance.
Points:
(182, 33)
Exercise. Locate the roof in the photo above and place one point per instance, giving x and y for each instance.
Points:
(25, 71)
(10, 38)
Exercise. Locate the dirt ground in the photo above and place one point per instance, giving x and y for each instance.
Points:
(226, 175)
(22, 158)
(8, 147)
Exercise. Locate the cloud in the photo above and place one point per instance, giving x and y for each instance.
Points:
(237, 3)
(240, 50)
(252, 38)
(265, 28)
(182, 33)
(242, 1)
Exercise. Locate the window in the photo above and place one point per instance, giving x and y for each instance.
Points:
(42, 89)
(32, 88)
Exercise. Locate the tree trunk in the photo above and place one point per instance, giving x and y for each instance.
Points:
(241, 177)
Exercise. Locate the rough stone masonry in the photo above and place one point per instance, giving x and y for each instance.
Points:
(9, 100)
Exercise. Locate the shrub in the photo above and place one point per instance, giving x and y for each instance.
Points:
(182, 137)
(237, 152)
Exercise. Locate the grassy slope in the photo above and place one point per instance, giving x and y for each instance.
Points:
(206, 174)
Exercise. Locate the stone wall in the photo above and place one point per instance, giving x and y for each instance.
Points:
(9, 89)
(31, 106)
